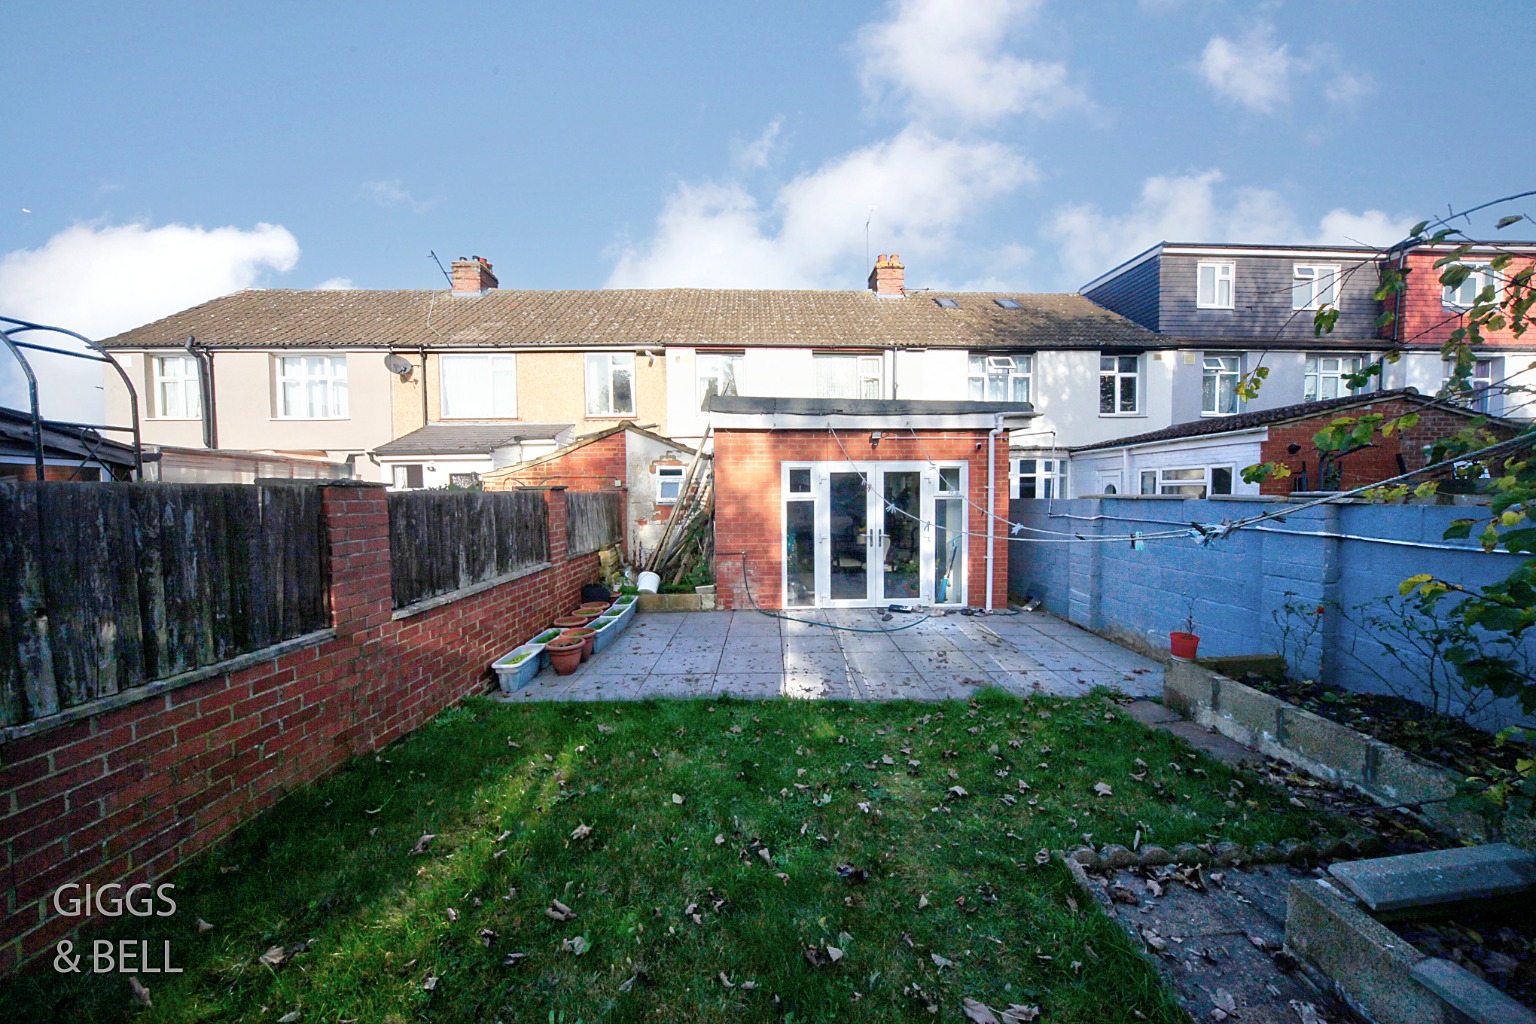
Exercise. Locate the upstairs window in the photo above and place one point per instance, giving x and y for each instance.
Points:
(479, 386)
(840, 376)
(312, 387)
(1214, 284)
(1218, 384)
(717, 374)
(999, 378)
(1480, 383)
(178, 395)
(1325, 377)
(1464, 295)
(1119, 393)
(610, 383)
(1314, 285)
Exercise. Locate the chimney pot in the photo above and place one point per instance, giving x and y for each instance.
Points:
(887, 280)
(473, 276)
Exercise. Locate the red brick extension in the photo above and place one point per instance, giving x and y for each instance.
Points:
(1371, 464)
(749, 514)
(1422, 319)
(127, 795)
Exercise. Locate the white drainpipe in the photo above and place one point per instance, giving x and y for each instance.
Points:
(991, 501)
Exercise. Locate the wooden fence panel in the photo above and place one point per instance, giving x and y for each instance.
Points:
(442, 541)
(108, 587)
(593, 520)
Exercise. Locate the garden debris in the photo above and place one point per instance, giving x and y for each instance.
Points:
(677, 798)
(578, 945)
(291, 1017)
(430, 984)
(1103, 789)
(421, 844)
(140, 993)
(511, 959)
(855, 876)
(557, 911)
(203, 926)
(487, 936)
(940, 962)
(581, 832)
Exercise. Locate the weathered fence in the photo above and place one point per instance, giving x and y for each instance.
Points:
(593, 520)
(442, 541)
(105, 587)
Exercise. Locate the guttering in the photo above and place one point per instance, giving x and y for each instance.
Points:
(997, 428)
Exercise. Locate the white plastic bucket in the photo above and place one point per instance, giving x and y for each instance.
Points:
(648, 583)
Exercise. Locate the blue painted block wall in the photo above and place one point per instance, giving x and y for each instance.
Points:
(1238, 587)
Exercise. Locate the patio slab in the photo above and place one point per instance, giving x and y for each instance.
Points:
(750, 655)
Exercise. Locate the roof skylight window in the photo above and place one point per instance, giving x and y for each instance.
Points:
(947, 303)
(1008, 303)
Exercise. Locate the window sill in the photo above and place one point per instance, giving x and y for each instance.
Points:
(309, 419)
(1218, 415)
(1122, 415)
(610, 416)
(1216, 309)
(174, 419)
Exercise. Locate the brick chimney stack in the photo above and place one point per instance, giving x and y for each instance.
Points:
(886, 280)
(472, 276)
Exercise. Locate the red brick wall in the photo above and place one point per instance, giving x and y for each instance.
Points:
(129, 794)
(1422, 319)
(592, 467)
(18, 471)
(749, 513)
(1368, 465)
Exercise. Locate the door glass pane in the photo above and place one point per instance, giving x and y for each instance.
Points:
(949, 540)
(800, 554)
(902, 542)
(849, 523)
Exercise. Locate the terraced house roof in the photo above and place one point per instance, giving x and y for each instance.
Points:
(726, 318)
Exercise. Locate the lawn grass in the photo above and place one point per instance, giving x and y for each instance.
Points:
(503, 787)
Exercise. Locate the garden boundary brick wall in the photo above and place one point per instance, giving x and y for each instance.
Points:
(129, 794)
(749, 501)
(1331, 556)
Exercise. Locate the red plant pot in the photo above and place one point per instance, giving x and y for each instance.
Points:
(591, 607)
(572, 621)
(565, 654)
(1183, 645)
(587, 636)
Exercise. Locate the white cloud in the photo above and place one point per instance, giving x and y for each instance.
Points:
(1253, 71)
(811, 234)
(1189, 208)
(335, 284)
(758, 153)
(101, 280)
(391, 193)
(947, 62)
(1346, 88)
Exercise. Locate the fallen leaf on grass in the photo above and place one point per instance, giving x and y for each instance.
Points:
(557, 911)
(1103, 789)
(581, 832)
(1307, 1012)
(511, 959)
(762, 851)
(274, 956)
(856, 876)
(940, 962)
(677, 798)
(453, 915)
(421, 844)
(1042, 856)
(922, 901)
(834, 954)
(140, 993)
(1154, 941)
(203, 926)
(487, 936)
(957, 792)
(981, 1013)
(292, 1017)
(1018, 1013)
(578, 945)
(430, 983)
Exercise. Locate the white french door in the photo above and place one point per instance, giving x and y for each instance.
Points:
(873, 533)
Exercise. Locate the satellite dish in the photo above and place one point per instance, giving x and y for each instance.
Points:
(398, 365)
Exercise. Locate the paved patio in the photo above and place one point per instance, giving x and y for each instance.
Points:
(748, 654)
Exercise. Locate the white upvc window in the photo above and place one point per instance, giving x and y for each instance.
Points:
(669, 484)
(1038, 478)
(1188, 481)
(1218, 384)
(1314, 285)
(999, 378)
(1481, 383)
(312, 387)
(178, 393)
(718, 373)
(1325, 377)
(1464, 295)
(839, 376)
(610, 384)
(1214, 284)
(406, 477)
(481, 385)
(1119, 385)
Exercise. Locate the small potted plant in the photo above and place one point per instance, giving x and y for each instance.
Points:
(587, 635)
(565, 653)
(1182, 645)
(572, 621)
(539, 642)
(517, 667)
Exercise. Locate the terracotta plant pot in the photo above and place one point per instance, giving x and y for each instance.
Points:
(565, 654)
(572, 621)
(1183, 645)
(592, 606)
(586, 635)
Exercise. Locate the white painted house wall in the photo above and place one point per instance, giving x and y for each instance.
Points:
(1088, 469)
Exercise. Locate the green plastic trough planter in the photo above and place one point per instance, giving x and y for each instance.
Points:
(517, 667)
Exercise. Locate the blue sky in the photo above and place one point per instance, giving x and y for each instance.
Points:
(162, 154)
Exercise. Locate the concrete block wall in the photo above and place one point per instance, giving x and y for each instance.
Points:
(128, 794)
(1325, 558)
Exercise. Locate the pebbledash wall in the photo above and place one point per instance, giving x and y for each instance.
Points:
(749, 502)
(128, 794)
(1332, 556)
